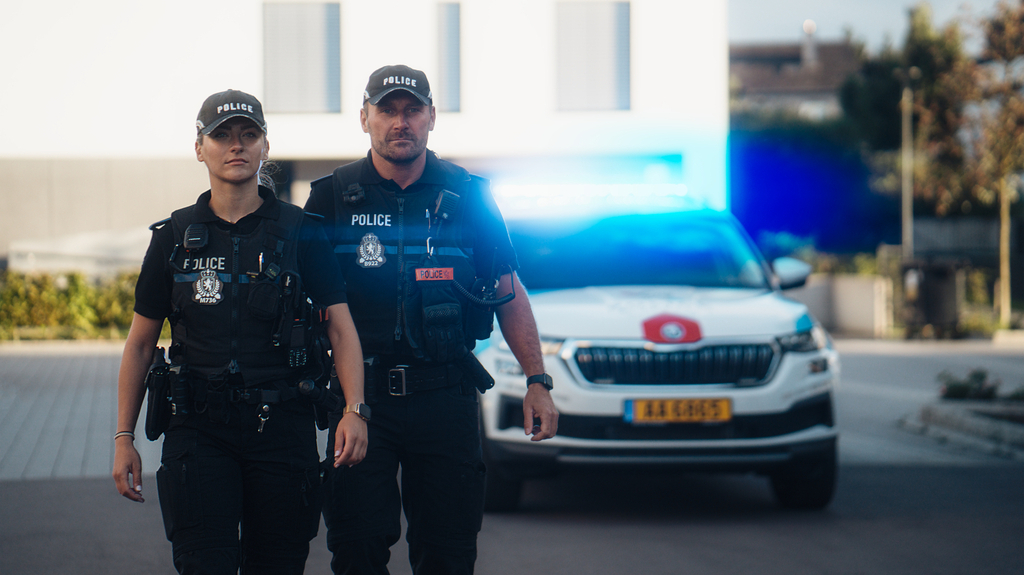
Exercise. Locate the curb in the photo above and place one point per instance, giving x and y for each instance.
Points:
(1008, 338)
(61, 347)
(971, 422)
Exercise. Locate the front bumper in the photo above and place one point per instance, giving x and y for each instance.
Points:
(525, 460)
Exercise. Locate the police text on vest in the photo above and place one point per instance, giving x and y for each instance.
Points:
(211, 263)
(372, 220)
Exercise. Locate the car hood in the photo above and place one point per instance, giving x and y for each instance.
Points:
(618, 312)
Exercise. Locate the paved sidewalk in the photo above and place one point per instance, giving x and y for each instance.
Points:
(59, 511)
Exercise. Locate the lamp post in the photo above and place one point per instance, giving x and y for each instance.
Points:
(907, 109)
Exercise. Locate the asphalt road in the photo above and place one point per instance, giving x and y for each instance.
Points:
(906, 503)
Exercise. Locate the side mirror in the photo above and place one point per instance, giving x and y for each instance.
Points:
(791, 272)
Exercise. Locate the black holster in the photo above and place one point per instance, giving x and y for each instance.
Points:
(158, 392)
(475, 372)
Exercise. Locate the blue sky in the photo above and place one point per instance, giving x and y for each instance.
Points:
(770, 21)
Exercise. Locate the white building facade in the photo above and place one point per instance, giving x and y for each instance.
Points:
(100, 97)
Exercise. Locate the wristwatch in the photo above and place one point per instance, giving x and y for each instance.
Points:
(543, 379)
(360, 409)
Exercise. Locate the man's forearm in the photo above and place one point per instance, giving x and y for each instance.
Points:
(518, 326)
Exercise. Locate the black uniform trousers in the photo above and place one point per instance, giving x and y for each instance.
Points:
(217, 476)
(435, 437)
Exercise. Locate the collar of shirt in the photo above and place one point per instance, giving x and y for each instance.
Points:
(433, 175)
(269, 209)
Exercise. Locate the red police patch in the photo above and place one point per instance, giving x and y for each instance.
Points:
(434, 274)
(666, 328)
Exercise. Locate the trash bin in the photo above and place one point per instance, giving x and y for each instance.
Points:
(931, 298)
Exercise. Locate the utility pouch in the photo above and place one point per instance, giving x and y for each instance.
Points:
(181, 393)
(475, 372)
(479, 318)
(325, 399)
(444, 339)
(264, 299)
(158, 406)
(371, 379)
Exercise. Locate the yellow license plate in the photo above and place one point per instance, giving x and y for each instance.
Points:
(678, 410)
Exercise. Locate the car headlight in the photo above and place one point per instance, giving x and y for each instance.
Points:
(810, 340)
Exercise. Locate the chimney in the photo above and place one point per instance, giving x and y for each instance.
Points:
(809, 48)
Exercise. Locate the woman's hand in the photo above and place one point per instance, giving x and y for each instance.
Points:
(127, 469)
(350, 440)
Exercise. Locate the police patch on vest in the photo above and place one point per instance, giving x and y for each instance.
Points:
(371, 252)
(208, 288)
(434, 274)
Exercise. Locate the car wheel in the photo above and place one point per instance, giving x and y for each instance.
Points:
(806, 484)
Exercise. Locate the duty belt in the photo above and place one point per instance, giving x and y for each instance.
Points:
(402, 379)
(252, 395)
(219, 389)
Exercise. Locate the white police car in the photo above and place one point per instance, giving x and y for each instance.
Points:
(670, 345)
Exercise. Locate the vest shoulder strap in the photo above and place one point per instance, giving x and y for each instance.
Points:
(180, 219)
(346, 183)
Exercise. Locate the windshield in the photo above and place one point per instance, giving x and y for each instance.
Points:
(683, 248)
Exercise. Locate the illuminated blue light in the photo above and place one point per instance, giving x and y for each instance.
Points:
(591, 200)
(804, 323)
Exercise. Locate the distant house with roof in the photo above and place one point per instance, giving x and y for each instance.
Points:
(800, 78)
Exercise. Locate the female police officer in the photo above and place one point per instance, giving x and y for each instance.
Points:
(231, 273)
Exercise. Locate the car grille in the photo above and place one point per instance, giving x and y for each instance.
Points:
(802, 415)
(711, 364)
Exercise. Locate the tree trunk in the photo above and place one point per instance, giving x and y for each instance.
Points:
(1004, 253)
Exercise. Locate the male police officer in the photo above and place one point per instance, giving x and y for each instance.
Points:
(422, 245)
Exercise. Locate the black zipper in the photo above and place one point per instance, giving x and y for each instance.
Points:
(234, 307)
(401, 265)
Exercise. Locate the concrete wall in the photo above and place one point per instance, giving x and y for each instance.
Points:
(53, 198)
(99, 129)
(853, 305)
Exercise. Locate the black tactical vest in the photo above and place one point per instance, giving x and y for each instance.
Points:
(380, 239)
(214, 325)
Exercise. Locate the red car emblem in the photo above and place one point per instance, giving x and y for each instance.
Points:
(667, 328)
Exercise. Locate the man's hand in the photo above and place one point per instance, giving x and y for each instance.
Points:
(127, 469)
(538, 404)
(350, 440)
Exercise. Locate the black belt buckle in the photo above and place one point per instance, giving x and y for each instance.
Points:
(396, 380)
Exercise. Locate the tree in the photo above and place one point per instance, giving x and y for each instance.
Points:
(942, 94)
(870, 100)
(999, 137)
(948, 84)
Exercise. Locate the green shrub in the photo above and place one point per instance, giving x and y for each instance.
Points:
(42, 306)
(975, 386)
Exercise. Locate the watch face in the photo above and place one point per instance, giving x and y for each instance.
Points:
(360, 409)
(543, 379)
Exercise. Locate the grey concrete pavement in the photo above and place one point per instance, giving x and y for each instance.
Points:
(907, 390)
(59, 511)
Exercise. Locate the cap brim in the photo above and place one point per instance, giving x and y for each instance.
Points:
(380, 96)
(206, 131)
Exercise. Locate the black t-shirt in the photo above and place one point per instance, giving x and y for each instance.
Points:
(321, 275)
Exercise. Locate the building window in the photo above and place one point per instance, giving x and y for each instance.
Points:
(447, 90)
(302, 57)
(593, 55)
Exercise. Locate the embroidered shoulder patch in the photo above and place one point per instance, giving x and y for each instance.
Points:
(371, 252)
